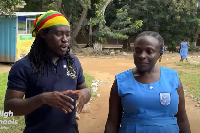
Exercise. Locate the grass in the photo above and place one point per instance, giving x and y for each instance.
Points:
(191, 83)
(188, 65)
(19, 127)
(88, 80)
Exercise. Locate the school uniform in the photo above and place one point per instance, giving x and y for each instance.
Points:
(46, 119)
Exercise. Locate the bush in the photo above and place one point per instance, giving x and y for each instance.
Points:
(192, 48)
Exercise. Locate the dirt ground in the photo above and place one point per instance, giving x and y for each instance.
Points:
(104, 69)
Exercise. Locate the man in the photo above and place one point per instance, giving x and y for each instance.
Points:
(50, 78)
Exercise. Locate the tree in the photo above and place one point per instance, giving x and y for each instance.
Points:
(102, 31)
(173, 19)
(85, 5)
(124, 25)
(75, 11)
(72, 11)
(9, 6)
(38, 5)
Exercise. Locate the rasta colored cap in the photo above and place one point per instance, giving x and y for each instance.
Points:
(47, 20)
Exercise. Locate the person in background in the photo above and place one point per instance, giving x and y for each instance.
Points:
(184, 50)
(188, 44)
(163, 50)
(50, 78)
(147, 98)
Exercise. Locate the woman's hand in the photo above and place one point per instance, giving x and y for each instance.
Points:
(58, 100)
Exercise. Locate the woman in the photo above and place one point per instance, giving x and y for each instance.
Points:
(147, 98)
(163, 51)
(184, 50)
(46, 76)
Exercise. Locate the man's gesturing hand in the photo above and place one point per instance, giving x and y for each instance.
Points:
(59, 100)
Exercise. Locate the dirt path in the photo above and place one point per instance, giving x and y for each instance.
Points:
(4, 68)
(105, 70)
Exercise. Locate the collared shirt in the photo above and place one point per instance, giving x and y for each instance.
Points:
(46, 119)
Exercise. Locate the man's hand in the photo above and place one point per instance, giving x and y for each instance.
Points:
(58, 100)
(83, 98)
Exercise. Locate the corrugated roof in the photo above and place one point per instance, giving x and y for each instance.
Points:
(28, 13)
(23, 13)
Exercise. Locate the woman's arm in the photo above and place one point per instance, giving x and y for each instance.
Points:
(181, 47)
(182, 118)
(115, 111)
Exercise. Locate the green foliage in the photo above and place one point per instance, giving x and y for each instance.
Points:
(192, 48)
(188, 65)
(173, 19)
(39, 5)
(191, 83)
(94, 21)
(99, 14)
(9, 6)
(73, 9)
(120, 28)
(105, 32)
(124, 24)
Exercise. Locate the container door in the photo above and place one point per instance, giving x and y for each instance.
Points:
(8, 37)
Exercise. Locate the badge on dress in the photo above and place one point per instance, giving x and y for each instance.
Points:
(165, 98)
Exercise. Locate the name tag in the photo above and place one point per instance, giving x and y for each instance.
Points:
(165, 98)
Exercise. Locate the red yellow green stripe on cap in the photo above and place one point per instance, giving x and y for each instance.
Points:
(47, 20)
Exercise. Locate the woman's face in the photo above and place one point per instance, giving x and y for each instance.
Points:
(147, 51)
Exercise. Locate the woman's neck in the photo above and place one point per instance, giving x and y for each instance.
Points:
(149, 72)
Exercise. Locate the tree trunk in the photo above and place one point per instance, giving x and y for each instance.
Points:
(105, 6)
(125, 42)
(129, 44)
(97, 44)
(78, 26)
(59, 6)
(90, 36)
(97, 47)
(196, 34)
(73, 43)
(103, 11)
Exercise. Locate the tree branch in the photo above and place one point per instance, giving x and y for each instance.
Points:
(83, 16)
(59, 5)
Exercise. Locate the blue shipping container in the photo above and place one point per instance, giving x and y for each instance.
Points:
(8, 39)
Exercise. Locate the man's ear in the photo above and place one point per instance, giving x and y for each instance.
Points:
(42, 34)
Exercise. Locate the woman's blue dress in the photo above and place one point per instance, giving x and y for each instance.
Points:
(149, 108)
(163, 50)
(183, 53)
